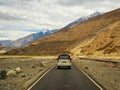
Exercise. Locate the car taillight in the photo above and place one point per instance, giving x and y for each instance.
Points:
(70, 59)
(57, 59)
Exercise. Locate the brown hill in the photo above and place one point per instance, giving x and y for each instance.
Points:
(79, 38)
(107, 42)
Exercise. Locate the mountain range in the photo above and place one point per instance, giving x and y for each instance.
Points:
(98, 36)
(82, 19)
(5, 43)
(27, 39)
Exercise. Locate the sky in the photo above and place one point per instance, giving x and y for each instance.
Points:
(19, 18)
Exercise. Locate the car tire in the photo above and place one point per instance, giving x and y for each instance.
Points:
(58, 67)
(69, 67)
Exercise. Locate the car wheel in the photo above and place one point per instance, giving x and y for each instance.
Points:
(69, 67)
(58, 67)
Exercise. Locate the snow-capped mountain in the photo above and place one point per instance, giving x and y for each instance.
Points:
(25, 40)
(82, 19)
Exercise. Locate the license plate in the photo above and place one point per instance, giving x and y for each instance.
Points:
(63, 61)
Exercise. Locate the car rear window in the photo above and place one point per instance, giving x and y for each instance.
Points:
(64, 57)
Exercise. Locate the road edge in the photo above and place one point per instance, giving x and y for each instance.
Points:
(89, 77)
(41, 76)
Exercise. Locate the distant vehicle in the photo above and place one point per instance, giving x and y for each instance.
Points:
(64, 60)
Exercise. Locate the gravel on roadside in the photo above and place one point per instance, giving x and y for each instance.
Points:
(107, 74)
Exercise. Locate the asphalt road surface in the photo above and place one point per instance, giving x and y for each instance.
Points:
(65, 79)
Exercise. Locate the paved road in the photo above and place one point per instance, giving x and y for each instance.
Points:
(65, 79)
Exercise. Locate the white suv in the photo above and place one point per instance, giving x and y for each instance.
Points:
(64, 60)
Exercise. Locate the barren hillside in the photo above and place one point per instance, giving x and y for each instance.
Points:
(66, 40)
(107, 42)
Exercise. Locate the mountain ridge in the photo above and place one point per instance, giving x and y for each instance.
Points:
(68, 39)
(29, 38)
(25, 40)
(82, 19)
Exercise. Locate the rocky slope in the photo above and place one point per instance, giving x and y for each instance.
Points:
(76, 39)
(107, 42)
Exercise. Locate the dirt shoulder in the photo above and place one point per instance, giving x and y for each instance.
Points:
(31, 69)
(106, 73)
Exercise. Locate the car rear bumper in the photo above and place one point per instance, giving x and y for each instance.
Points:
(64, 65)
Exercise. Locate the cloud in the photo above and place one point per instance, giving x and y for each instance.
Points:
(76, 2)
(5, 16)
(20, 15)
(12, 34)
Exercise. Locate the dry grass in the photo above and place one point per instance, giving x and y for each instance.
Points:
(108, 41)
